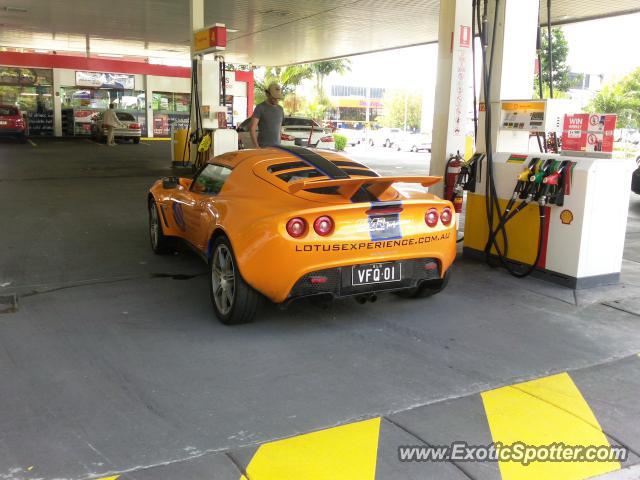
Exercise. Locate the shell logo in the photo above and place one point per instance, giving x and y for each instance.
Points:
(566, 217)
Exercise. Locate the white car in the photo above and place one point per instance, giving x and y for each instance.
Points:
(130, 131)
(354, 136)
(413, 142)
(299, 131)
(387, 137)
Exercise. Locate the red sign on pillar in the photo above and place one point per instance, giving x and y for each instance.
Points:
(465, 36)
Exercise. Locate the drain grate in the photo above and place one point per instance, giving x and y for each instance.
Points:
(8, 304)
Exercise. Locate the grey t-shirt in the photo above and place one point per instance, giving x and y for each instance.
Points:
(269, 123)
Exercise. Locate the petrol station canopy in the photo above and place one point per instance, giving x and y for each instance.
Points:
(262, 32)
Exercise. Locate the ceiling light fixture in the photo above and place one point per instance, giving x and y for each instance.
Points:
(113, 55)
(10, 9)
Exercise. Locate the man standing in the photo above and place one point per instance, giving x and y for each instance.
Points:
(267, 118)
(110, 122)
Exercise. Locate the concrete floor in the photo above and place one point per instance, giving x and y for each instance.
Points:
(112, 360)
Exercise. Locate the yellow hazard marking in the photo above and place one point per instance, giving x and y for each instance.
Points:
(109, 478)
(346, 452)
(543, 412)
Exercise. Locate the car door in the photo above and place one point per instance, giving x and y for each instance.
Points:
(194, 210)
(244, 136)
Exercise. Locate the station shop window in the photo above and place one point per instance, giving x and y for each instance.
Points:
(170, 112)
(168, 102)
(31, 89)
(81, 104)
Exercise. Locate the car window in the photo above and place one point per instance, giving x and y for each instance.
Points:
(244, 126)
(211, 179)
(125, 117)
(298, 122)
(8, 111)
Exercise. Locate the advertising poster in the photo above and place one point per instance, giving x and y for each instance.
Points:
(105, 80)
(585, 132)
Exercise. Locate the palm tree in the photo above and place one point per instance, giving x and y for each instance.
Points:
(323, 69)
(288, 78)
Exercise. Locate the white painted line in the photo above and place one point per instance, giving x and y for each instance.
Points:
(145, 144)
(33, 144)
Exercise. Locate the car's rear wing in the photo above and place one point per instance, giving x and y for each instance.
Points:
(347, 187)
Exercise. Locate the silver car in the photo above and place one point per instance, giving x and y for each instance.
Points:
(131, 130)
(299, 131)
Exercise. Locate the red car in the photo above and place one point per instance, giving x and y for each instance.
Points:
(12, 124)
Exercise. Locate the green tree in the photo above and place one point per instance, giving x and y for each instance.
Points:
(621, 98)
(397, 103)
(322, 70)
(288, 78)
(559, 51)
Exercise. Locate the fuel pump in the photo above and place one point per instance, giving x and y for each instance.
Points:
(537, 208)
(208, 134)
(452, 173)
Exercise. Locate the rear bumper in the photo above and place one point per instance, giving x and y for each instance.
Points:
(126, 133)
(338, 282)
(12, 132)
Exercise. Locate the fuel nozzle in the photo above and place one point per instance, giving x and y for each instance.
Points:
(525, 183)
(555, 183)
(543, 169)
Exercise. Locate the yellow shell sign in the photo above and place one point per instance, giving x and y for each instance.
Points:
(566, 217)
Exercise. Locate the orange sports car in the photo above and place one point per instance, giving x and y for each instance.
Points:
(290, 222)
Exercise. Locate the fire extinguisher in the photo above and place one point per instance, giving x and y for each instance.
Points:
(452, 191)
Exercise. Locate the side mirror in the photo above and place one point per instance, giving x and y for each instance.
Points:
(169, 182)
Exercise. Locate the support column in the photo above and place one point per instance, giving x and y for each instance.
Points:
(513, 59)
(148, 106)
(196, 22)
(57, 104)
(453, 99)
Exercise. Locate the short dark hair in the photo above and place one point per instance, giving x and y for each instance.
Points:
(112, 105)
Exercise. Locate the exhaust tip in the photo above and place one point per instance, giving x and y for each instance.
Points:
(361, 299)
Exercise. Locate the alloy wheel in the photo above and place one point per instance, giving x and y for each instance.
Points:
(154, 225)
(223, 279)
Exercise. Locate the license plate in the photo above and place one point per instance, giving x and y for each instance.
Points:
(376, 273)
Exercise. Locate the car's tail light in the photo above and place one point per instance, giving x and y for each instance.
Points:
(19, 122)
(327, 139)
(296, 227)
(134, 126)
(323, 225)
(431, 217)
(446, 216)
(286, 137)
(317, 280)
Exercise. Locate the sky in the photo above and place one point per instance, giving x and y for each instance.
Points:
(608, 46)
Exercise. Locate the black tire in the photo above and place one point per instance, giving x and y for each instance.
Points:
(136, 140)
(426, 289)
(241, 304)
(160, 244)
(387, 143)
